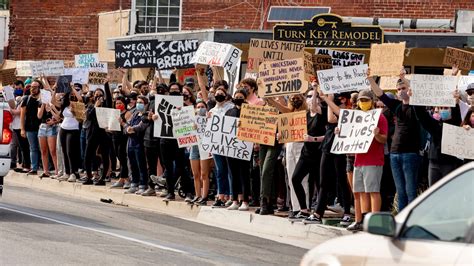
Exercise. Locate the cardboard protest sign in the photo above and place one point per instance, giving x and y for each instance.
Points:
(341, 58)
(463, 59)
(308, 66)
(390, 83)
(79, 75)
(464, 81)
(51, 68)
(218, 54)
(221, 138)
(153, 53)
(115, 75)
(45, 96)
(64, 84)
(84, 60)
(386, 59)
(183, 126)
(108, 118)
(7, 76)
(343, 79)
(164, 104)
(321, 62)
(201, 123)
(8, 93)
(78, 110)
(271, 50)
(23, 68)
(292, 127)
(356, 131)
(97, 78)
(282, 78)
(457, 141)
(433, 90)
(258, 124)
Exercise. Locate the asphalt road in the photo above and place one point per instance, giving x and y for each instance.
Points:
(38, 228)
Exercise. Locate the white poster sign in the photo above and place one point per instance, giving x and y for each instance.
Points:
(8, 93)
(164, 104)
(49, 68)
(464, 81)
(343, 79)
(108, 118)
(433, 90)
(23, 68)
(218, 54)
(183, 126)
(45, 96)
(457, 141)
(79, 75)
(201, 123)
(220, 138)
(84, 60)
(356, 131)
(342, 58)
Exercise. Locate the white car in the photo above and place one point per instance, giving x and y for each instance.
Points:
(6, 119)
(435, 229)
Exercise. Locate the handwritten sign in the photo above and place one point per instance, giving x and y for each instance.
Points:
(270, 50)
(221, 138)
(356, 131)
(464, 81)
(308, 66)
(183, 126)
(97, 78)
(84, 60)
(321, 62)
(390, 83)
(292, 127)
(52, 68)
(164, 104)
(78, 110)
(433, 90)
(457, 141)
(341, 58)
(79, 75)
(386, 59)
(108, 118)
(23, 68)
(258, 124)
(7, 76)
(282, 78)
(45, 96)
(463, 59)
(343, 79)
(218, 54)
(201, 123)
(8, 93)
(115, 75)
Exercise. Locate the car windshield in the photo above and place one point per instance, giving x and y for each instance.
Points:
(447, 214)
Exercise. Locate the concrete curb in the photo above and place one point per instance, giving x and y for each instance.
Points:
(270, 227)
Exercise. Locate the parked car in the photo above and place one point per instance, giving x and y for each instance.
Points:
(437, 228)
(6, 137)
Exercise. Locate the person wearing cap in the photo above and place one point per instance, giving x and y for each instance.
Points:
(189, 81)
(406, 141)
(465, 106)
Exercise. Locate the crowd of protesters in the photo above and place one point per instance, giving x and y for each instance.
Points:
(303, 179)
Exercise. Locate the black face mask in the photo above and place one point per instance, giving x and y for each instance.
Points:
(238, 102)
(175, 93)
(186, 97)
(297, 103)
(220, 98)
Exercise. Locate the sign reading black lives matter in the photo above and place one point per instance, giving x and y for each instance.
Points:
(356, 131)
(329, 31)
(153, 53)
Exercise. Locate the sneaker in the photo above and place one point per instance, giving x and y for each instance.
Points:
(218, 204)
(149, 192)
(131, 190)
(164, 193)
(99, 182)
(44, 175)
(140, 191)
(292, 214)
(300, 216)
(72, 178)
(169, 197)
(228, 203)
(63, 178)
(188, 198)
(346, 220)
(244, 206)
(154, 179)
(127, 185)
(355, 226)
(117, 184)
(107, 179)
(202, 202)
(87, 181)
(336, 208)
(313, 219)
(193, 201)
(233, 207)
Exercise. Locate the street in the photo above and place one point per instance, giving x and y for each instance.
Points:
(47, 229)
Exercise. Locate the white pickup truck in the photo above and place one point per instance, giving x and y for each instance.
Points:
(6, 119)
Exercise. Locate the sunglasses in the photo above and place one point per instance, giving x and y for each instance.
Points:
(470, 92)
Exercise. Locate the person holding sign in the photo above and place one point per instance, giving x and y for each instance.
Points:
(251, 88)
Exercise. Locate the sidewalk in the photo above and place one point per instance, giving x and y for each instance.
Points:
(268, 226)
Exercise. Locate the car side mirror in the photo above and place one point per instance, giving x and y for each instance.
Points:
(380, 224)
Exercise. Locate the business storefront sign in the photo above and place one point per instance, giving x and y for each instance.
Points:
(328, 30)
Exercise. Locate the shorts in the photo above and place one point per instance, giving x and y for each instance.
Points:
(350, 163)
(367, 178)
(47, 131)
(194, 153)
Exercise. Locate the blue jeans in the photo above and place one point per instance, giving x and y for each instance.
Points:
(405, 174)
(222, 177)
(83, 141)
(137, 158)
(34, 149)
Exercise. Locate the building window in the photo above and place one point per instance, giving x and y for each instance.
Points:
(4, 4)
(158, 15)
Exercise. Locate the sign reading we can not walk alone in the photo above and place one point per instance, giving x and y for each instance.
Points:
(258, 124)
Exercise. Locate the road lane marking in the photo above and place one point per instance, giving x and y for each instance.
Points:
(97, 231)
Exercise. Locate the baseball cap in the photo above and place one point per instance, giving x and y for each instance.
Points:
(470, 87)
(189, 81)
(366, 94)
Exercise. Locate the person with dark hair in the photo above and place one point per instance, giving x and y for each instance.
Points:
(188, 96)
(30, 123)
(23, 148)
(19, 88)
(119, 141)
(251, 87)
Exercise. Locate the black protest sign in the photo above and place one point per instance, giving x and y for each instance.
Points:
(153, 53)
(64, 84)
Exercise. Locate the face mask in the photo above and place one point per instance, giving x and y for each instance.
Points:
(404, 95)
(445, 114)
(365, 106)
(186, 97)
(18, 92)
(175, 93)
(297, 103)
(202, 111)
(436, 116)
(140, 107)
(121, 107)
(220, 98)
(239, 102)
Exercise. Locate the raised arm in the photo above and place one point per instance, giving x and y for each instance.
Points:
(108, 95)
(281, 107)
(126, 85)
(202, 81)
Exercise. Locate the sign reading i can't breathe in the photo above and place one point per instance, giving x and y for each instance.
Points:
(356, 131)
(153, 53)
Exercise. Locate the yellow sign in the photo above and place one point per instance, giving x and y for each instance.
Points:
(258, 124)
